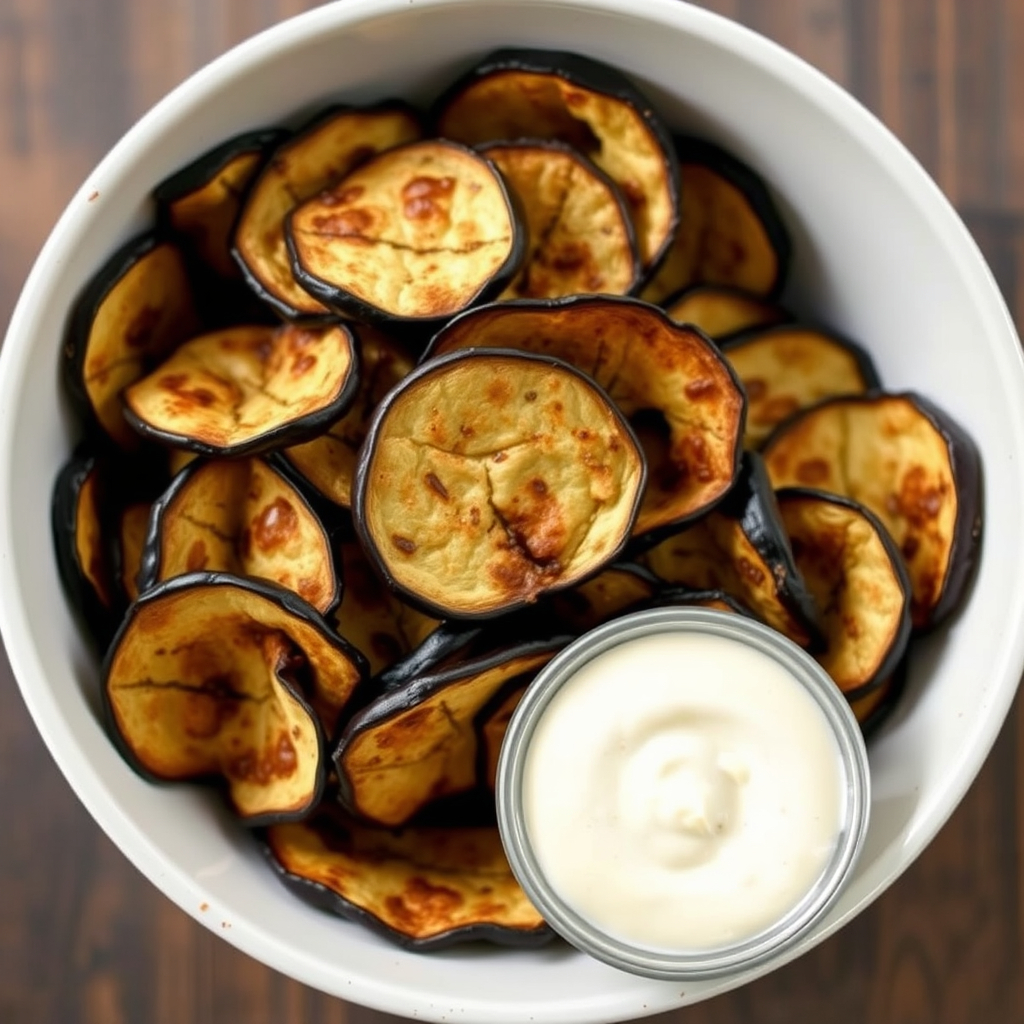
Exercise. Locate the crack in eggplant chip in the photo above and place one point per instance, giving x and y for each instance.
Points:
(730, 231)
(337, 141)
(417, 234)
(791, 367)
(242, 517)
(418, 743)
(328, 462)
(647, 364)
(857, 577)
(372, 619)
(423, 888)
(246, 390)
(490, 478)
(741, 547)
(135, 310)
(721, 311)
(580, 236)
(910, 464)
(543, 94)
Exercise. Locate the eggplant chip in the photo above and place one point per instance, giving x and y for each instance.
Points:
(490, 478)
(492, 724)
(910, 464)
(417, 234)
(855, 572)
(730, 231)
(328, 462)
(543, 94)
(741, 547)
(240, 516)
(680, 395)
(612, 592)
(132, 529)
(423, 888)
(420, 742)
(580, 235)
(790, 367)
(337, 142)
(720, 311)
(371, 618)
(246, 390)
(200, 203)
(138, 308)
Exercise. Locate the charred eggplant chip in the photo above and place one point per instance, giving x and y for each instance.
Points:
(580, 235)
(857, 577)
(246, 390)
(612, 592)
(742, 547)
(910, 464)
(541, 94)
(328, 462)
(423, 888)
(338, 141)
(200, 203)
(136, 310)
(416, 235)
(683, 400)
(790, 367)
(211, 675)
(240, 516)
(420, 742)
(371, 618)
(720, 310)
(730, 231)
(490, 478)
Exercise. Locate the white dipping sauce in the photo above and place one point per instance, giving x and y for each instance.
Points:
(682, 791)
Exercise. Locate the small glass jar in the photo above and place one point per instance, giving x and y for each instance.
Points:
(697, 963)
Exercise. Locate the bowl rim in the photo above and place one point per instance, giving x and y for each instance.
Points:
(69, 754)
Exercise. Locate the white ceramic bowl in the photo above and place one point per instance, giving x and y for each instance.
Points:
(879, 254)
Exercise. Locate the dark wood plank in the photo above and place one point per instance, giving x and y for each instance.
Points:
(85, 940)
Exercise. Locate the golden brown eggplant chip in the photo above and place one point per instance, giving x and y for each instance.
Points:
(424, 888)
(418, 743)
(647, 364)
(371, 618)
(720, 310)
(542, 94)
(328, 462)
(790, 367)
(856, 574)
(245, 390)
(337, 142)
(241, 516)
(490, 478)
(418, 234)
(580, 235)
(911, 465)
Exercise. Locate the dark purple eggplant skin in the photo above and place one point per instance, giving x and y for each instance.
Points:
(345, 304)
(587, 73)
(898, 650)
(359, 482)
(671, 597)
(871, 725)
(694, 150)
(322, 898)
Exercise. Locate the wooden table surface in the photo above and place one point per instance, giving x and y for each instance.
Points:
(84, 938)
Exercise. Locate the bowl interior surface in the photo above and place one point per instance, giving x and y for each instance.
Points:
(879, 255)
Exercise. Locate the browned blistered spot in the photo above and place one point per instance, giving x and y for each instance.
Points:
(920, 501)
(812, 471)
(434, 483)
(411, 721)
(345, 222)
(538, 486)
(308, 589)
(347, 195)
(696, 462)
(425, 196)
(302, 364)
(910, 546)
(275, 525)
(403, 543)
(196, 557)
(279, 761)
(775, 410)
(498, 392)
(139, 332)
(500, 456)
(530, 396)
(754, 573)
(569, 256)
(466, 430)
(634, 193)
(851, 626)
(474, 515)
(756, 389)
(176, 384)
(701, 388)
(423, 907)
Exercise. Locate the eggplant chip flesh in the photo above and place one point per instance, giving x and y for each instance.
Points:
(669, 380)
(856, 574)
(246, 390)
(490, 478)
(721, 310)
(422, 888)
(910, 464)
(415, 235)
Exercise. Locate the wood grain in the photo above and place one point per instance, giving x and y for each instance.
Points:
(83, 938)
